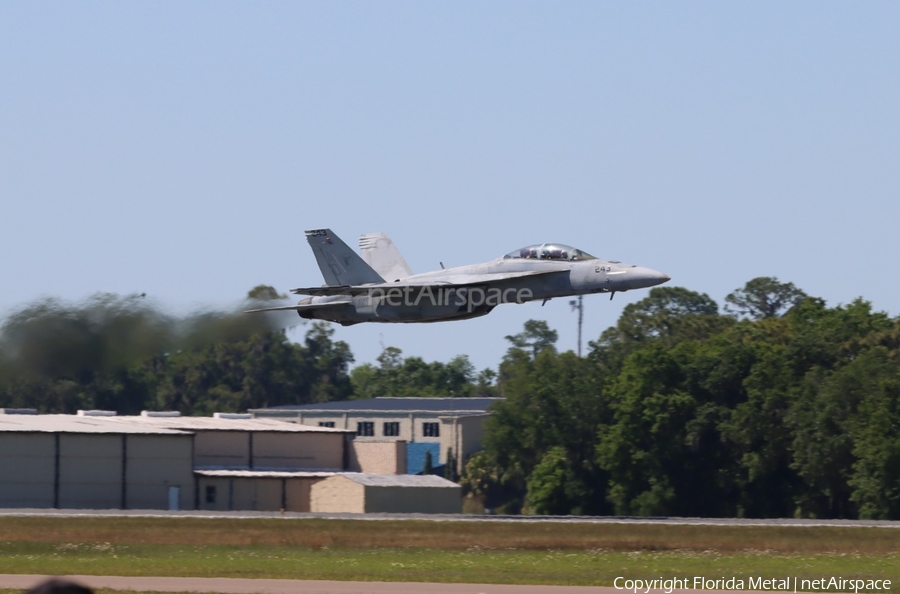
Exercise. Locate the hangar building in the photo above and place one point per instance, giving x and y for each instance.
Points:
(67, 461)
(96, 460)
(446, 427)
(380, 493)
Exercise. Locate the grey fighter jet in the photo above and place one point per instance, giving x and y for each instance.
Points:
(380, 287)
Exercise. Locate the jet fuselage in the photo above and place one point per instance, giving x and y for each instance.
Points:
(447, 298)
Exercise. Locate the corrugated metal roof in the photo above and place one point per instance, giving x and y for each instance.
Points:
(266, 473)
(390, 404)
(398, 480)
(150, 425)
(214, 424)
(363, 478)
(76, 424)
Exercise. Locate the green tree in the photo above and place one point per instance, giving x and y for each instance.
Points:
(552, 401)
(366, 382)
(667, 312)
(390, 358)
(643, 449)
(546, 486)
(763, 297)
(875, 477)
(413, 376)
(330, 361)
(837, 347)
(536, 337)
(758, 429)
(485, 386)
(264, 293)
(694, 413)
(50, 339)
(450, 468)
(121, 353)
(482, 480)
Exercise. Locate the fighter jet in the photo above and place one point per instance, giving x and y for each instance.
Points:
(380, 287)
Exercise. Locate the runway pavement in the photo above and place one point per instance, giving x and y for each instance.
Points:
(243, 586)
(73, 513)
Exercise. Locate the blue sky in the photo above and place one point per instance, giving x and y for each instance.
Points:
(181, 148)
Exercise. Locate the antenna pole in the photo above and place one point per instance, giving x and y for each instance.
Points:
(578, 305)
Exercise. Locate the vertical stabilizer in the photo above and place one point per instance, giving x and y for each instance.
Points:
(339, 264)
(382, 255)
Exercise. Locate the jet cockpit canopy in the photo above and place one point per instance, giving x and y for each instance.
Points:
(550, 251)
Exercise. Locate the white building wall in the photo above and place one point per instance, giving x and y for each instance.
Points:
(378, 457)
(472, 433)
(463, 435)
(410, 423)
(298, 450)
(27, 469)
(337, 494)
(155, 463)
(90, 471)
(228, 449)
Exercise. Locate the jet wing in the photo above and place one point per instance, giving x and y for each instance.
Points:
(458, 280)
(334, 290)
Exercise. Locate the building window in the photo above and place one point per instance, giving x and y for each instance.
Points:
(326, 424)
(365, 429)
(392, 429)
(431, 429)
(210, 493)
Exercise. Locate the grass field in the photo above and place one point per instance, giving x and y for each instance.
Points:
(587, 554)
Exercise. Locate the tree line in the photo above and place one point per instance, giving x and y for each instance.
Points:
(124, 353)
(777, 407)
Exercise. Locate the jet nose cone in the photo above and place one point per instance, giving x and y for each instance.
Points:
(658, 278)
(646, 277)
